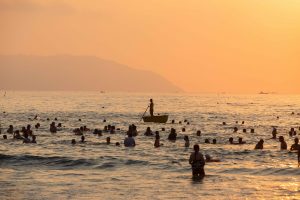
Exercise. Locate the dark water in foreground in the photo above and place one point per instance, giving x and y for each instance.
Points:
(54, 169)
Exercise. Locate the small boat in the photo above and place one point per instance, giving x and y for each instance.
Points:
(156, 119)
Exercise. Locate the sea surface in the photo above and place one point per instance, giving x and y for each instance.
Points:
(55, 169)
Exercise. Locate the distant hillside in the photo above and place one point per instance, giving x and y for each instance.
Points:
(76, 73)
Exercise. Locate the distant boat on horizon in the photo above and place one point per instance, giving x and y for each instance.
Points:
(263, 92)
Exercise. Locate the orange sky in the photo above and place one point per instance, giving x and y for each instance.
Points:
(234, 46)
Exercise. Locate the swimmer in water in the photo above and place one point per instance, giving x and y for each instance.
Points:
(148, 132)
(260, 144)
(283, 145)
(173, 135)
(197, 162)
(187, 141)
(108, 140)
(82, 139)
(33, 139)
(129, 141)
(73, 141)
(296, 145)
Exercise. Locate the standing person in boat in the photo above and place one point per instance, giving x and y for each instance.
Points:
(197, 161)
(151, 107)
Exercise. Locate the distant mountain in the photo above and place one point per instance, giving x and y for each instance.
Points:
(77, 73)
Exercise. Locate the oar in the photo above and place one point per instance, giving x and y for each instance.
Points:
(144, 113)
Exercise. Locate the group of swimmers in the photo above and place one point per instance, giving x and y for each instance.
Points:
(197, 160)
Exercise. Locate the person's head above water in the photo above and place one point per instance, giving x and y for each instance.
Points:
(196, 148)
(231, 140)
(296, 140)
(73, 141)
(108, 140)
(82, 138)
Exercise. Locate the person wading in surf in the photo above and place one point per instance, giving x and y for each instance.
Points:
(197, 161)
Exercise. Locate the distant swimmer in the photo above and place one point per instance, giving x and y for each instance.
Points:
(148, 132)
(33, 139)
(157, 140)
(283, 145)
(274, 133)
(197, 161)
(10, 129)
(108, 140)
(260, 144)
(187, 141)
(173, 135)
(82, 139)
(26, 139)
(296, 145)
(73, 141)
(151, 107)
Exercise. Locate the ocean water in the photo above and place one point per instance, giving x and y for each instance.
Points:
(55, 169)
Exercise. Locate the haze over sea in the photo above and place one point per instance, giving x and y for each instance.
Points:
(55, 169)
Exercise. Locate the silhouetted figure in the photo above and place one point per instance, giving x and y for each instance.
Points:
(157, 141)
(73, 141)
(197, 161)
(206, 141)
(53, 128)
(198, 133)
(10, 129)
(292, 132)
(187, 141)
(82, 139)
(260, 144)
(173, 135)
(148, 132)
(132, 130)
(5, 137)
(235, 129)
(214, 141)
(296, 145)
(129, 141)
(26, 139)
(17, 135)
(151, 107)
(33, 139)
(274, 133)
(108, 140)
(283, 145)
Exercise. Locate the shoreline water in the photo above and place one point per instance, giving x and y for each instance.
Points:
(53, 168)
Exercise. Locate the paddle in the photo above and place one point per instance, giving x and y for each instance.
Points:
(144, 113)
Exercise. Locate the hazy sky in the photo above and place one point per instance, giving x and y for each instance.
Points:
(242, 46)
